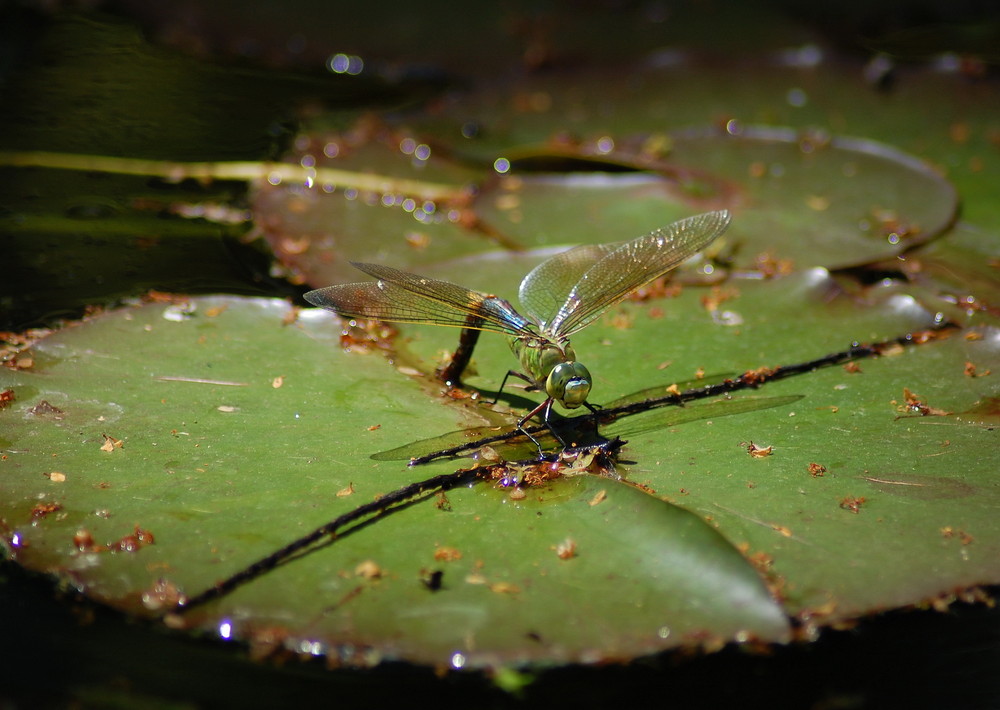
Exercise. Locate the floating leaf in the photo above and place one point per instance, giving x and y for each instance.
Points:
(218, 467)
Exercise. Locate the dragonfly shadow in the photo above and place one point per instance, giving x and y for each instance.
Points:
(641, 411)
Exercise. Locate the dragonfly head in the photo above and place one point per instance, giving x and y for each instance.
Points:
(569, 384)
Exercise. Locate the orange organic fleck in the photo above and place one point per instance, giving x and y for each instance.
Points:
(447, 554)
(852, 503)
(566, 549)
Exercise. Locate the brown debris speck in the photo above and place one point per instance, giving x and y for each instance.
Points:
(963, 537)
(770, 266)
(852, 503)
(447, 554)
(716, 297)
(84, 541)
(972, 371)
(599, 497)
(418, 240)
(566, 549)
(111, 443)
(913, 404)
(757, 452)
(43, 409)
(816, 470)
(21, 361)
(622, 321)
(42, 509)
(368, 569)
(504, 588)
(762, 561)
(131, 543)
(644, 487)
(656, 289)
(758, 376)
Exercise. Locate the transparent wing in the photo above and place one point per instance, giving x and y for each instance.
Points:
(632, 264)
(544, 290)
(401, 297)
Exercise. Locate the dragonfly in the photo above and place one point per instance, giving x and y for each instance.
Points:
(559, 297)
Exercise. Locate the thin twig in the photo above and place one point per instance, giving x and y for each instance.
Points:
(751, 379)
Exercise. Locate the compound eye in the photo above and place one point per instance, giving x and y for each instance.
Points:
(569, 384)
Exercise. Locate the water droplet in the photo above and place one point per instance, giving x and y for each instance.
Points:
(226, 629)
(345, 64)
(797, 97)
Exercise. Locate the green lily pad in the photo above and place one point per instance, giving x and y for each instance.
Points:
(241, 431)
(958, 275)
(822, 200)
(210, 500)
(803, 198)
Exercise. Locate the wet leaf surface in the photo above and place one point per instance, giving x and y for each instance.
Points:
(802, 199)
(167, 484)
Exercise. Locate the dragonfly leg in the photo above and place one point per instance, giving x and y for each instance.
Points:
(545, 407)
